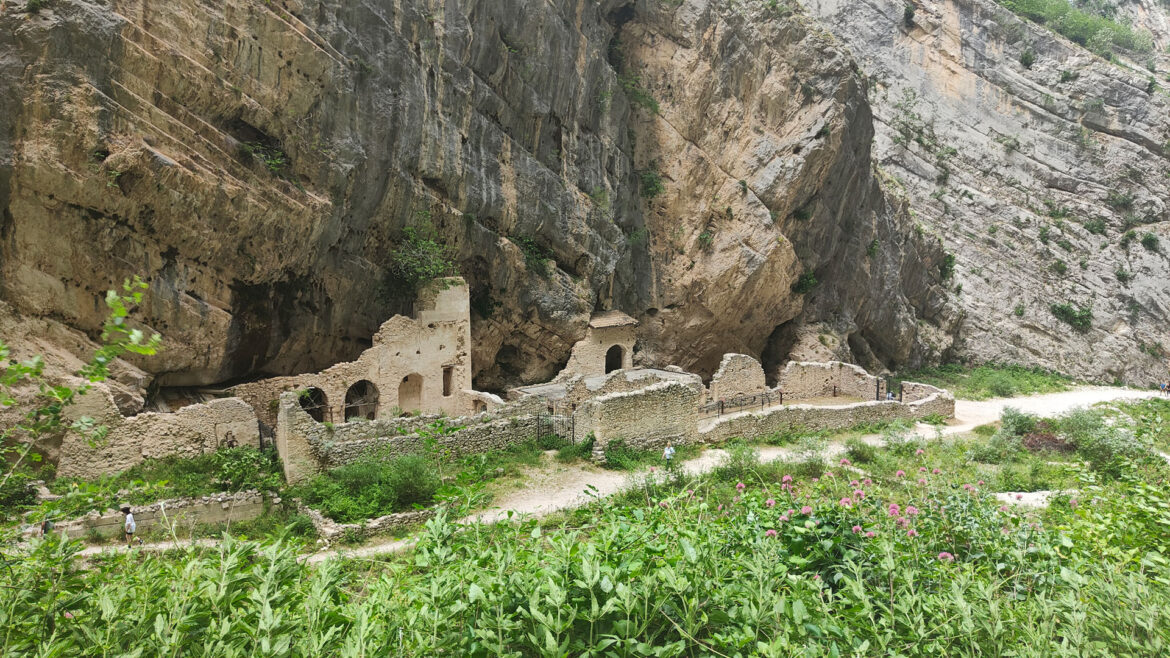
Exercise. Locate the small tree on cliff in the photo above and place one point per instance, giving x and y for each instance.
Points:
(421, 257)
(43, 411)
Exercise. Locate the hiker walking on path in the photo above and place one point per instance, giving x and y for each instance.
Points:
(130, 527)
(668, 455)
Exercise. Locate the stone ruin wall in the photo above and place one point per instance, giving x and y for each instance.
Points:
(803, 380)
(738, 375)
(439, 337)
(644, 419)
(813, 418)
(191, 431)
(618, 381)
(179, 512)
(308, 447)
(330, 530)
(587, 357)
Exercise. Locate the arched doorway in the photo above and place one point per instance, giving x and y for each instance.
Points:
(314, 402)
(410, 393)
(361, 400)
(613, 359)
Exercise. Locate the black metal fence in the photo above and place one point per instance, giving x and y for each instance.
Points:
(740, 403)
(562, 425)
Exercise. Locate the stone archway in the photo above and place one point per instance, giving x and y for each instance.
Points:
(410, 393)
(314, 402)
(361, 400)
(613, 358)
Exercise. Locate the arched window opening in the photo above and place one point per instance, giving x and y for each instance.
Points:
(314, 402)
(361, 400)
(410, 393)
(613, 359)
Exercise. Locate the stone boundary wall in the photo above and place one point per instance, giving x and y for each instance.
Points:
(330, 530)
(191, 431)
(813, 418)
(307, 447)
(913, 392)
(738, 374)
(644, 419)
(802, 380)
(217, 508)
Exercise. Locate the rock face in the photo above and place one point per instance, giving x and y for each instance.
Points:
(1031, 175)
(695, 164)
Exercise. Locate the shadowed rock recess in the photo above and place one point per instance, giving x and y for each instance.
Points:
(703, 166)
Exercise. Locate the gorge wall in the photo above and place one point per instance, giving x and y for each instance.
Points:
(685, 162)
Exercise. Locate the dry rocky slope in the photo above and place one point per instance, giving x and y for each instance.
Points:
(258, 161)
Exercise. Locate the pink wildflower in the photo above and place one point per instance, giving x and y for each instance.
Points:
(868, 481)
(900, 473)
(690, 492)
(845, 462)
(652, 469)
(816, 479)
(1003, 508)
(790, 512)
(662, 504)
(921, 469)
(845, 502)
(816, 576)
(911, 510)
(894, 509)
(806, 510)
(68, 615)
(903, 521)
(870, 534)
(854, 484)
(770, 502)
(859, 494)
(981, 483)
(856, 529)
(911, 533)
(946, 557)
(920, 451)
(770, 533)
(1019, 496)
(922, 481)
(740, 486)
(720, 508)
(735, 500)
(828, 474)
(1072, 503)
(783, 517)
(936, 471)
(786, 478)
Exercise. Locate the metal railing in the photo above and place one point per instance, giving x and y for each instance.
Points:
(739, 403)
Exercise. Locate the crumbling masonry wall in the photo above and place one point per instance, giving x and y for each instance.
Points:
(738, 374)
(643, 419)
(606, 330)
(179, 512)
(802, 380)
(307, 447)
(433, 350)
(814, 418)
(190, 431)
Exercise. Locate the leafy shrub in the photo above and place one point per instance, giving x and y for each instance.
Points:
(1079, 317)
(16, 493)
(651, 181)
(536, 257)
(1044, 232)
(1108, 447)
(706, 239)
(978, 383)
(420, 256)
(1095, 226)
(1119, 200)
(573, 451)
(632, 84)
(1068, 76)
(1001, 448)
(1127, 238)
(1027, 58)
(1019, 310)
(872, 249)
(860, 452)
(805, 283)
(371, 487)
(1058, 267)
(1150, 241)
(1087, 26)
(908, 15)
(901, 442)
(946, 268)
(1017, 423)
(1123, 275)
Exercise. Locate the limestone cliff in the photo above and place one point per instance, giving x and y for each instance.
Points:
(1042, 167)
(689, 162)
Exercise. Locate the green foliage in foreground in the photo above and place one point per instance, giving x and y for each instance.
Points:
(804, 567)
(370, 488)
(990, 380)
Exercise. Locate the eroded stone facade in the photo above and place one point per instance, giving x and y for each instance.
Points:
(193, 430)
(608, 345)
(419, 364)
(801, 380)
(738, 375)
